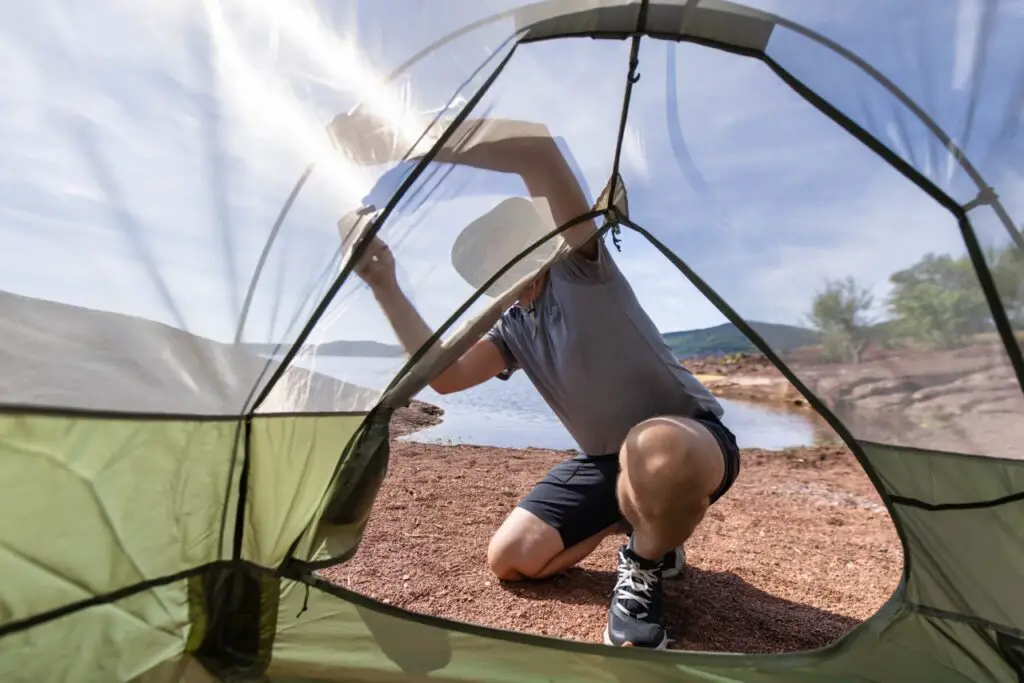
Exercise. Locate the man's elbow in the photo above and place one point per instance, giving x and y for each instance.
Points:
(442, 388)
(534, 154)
(443, 384)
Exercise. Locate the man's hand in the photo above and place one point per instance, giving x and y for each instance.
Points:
(368, 139)
(377, 266)
(483, 361)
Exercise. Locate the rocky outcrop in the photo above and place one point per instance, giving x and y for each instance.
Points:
(965, 400)
(414, 417)
(776, 390)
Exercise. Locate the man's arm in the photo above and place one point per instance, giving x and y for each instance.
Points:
(503, 145)
(528, 150)
(483, 360)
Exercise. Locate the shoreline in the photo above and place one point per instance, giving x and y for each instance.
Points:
(747, 377)
(741, 377)
(415, 417)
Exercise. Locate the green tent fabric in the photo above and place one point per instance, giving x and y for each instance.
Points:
(184, 440)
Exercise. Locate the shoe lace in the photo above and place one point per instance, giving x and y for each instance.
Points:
(634, 584)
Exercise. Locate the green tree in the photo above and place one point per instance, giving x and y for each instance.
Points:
(938, 302)
(839, 312)
(1007, 266)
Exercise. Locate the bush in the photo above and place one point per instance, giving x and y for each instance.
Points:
(839, 313)
(938, 302)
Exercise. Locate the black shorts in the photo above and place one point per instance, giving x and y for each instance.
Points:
(578, 496)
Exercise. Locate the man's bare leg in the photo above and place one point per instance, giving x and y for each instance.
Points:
(671, 466)
(526, 547)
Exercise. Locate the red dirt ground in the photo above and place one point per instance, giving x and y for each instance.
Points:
(795, 555)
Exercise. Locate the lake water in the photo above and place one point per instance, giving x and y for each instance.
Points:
(513, 415)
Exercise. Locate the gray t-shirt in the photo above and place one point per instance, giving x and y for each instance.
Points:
(595, 356)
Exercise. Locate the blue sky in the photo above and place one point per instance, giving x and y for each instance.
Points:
(149, 147)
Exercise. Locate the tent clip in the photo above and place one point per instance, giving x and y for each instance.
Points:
(617, 237)
(634, 64)
(986, 197)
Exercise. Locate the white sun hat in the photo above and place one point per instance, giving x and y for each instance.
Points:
(488, 243)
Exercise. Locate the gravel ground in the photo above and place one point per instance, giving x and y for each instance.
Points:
(795, 555)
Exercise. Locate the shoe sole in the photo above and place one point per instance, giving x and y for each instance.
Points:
(663, 645)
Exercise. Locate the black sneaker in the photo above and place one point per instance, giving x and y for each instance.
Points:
(673, 562)
(634, 618)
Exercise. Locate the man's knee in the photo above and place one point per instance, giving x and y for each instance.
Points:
(522, 547)
(668, 462)
(505, 560)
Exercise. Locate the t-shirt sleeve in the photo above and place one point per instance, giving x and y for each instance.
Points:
(496, 335)
(578, 268)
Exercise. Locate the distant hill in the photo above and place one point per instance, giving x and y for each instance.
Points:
(711, 341)
(726, 338)
(362, 349)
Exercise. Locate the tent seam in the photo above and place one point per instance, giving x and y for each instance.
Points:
(15, 410)
(974, 505)
(1014, 462)
(243, 488)
(774, 662)
(995, 302)
(945, 615)
(119, 594)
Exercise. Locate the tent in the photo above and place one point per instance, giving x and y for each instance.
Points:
(181, 447)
